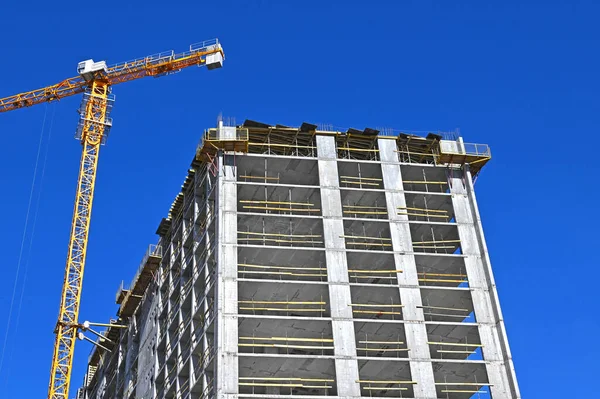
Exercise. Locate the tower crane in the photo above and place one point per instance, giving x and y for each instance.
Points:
(94, 82)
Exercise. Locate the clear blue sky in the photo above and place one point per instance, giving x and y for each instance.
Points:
(520, 76)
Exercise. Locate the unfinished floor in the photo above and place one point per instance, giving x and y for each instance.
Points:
(299, 262)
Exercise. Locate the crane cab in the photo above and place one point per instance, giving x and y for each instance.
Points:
(88, 69)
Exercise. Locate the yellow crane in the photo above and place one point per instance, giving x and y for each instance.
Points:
(95, 81)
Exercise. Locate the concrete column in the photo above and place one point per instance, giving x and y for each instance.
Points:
(147, 338)
(227, 286)
(346, 365)
(101, 383)
(131, 354)
(496, 352)
(120, 377)
(410, 293)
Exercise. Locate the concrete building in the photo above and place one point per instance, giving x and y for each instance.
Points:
(304, 262)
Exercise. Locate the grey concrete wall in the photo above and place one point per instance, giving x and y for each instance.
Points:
(496, 352)
(121, 348)
(346, 365)
(131, 357)
(227, 286)
(138, 364)
(410, 293)
(147, 335)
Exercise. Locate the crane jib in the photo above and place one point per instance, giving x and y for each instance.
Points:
(159, 65)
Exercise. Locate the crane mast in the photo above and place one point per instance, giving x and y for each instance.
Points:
(93, 127)
(95, 82)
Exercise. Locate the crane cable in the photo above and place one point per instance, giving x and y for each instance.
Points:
(28, 257)
(23, 239)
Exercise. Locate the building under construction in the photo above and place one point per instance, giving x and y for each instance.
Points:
(306, 262)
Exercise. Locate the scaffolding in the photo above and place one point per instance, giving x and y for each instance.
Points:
(382, 243)
(289, 345)
(287, 307)
(417, 213)
(353, 144)
(360, 182)
(280, 207)
(300, 272)
(212, 142)
(260, 238)
(130, 298)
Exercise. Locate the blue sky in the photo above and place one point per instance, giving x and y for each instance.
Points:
(519, 76)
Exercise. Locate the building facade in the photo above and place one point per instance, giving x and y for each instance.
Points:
(304, 262)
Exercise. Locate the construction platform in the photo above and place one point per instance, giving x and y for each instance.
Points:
(260, 138)
(129, 299)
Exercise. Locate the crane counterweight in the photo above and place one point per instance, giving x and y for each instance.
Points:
(214, 61)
